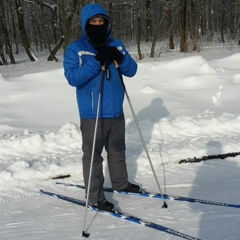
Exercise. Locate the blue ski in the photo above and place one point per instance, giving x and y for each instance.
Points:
(125, 216)
(158, 195)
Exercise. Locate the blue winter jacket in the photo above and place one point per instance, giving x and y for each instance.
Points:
(83, 71)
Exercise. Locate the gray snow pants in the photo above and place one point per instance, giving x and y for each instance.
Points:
(111, 135)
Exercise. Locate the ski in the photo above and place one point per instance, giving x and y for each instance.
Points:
(158, 195)
(125, 216)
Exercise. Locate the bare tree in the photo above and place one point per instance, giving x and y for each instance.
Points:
(222, 20)
(137, 4)
(184, 27)
(67, 13)
(197, 38)
(148, 20)
(209, 20)
(55, 50)
(233, 21)
(53, 21)
(23, 33)
(2, 55)
(158, 30)
(170, 25)
(5, 32)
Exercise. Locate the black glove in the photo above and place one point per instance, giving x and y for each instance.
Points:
(103, 55)
(115, 54)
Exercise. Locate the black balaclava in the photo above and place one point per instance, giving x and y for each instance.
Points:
(98, 34)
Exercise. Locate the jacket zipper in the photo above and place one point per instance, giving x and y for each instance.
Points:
(92, 101)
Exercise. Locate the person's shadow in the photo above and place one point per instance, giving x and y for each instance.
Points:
(148, 120)
(217, 180)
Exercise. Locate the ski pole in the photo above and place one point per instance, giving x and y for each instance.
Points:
(84, 234)
(140, 134)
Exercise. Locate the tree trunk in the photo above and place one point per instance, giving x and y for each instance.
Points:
(4, 60)
(223, 21)
(110, 8)
(184, 18)
(157, 32)
(197, 37)
(5, 32)
(209, 20)
(170, 25)
(138, 29)
(148, 20)
(23, 32)
(67, 16)
(55, 49)
(14, 32)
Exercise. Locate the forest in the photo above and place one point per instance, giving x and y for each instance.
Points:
(50, 25)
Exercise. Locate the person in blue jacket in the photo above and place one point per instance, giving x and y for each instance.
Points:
(85, 60)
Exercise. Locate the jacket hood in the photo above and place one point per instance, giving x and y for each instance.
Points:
(91, 10)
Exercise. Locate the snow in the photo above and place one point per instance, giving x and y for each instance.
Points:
(186, 105)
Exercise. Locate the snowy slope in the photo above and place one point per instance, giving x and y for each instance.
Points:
(187, 106)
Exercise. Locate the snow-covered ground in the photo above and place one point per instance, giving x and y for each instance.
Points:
(187, 106)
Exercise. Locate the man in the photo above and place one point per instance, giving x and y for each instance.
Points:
(83, 64)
